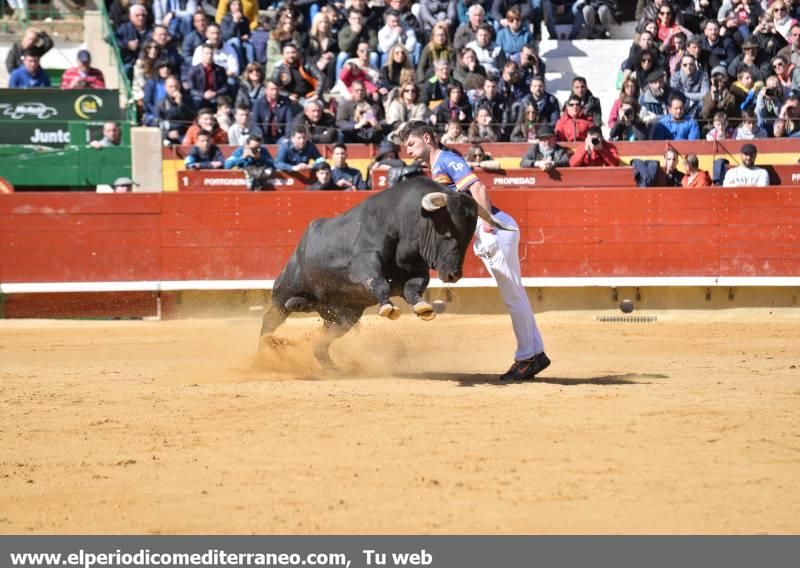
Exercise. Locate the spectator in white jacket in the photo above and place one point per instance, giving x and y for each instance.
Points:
(489, 54)
(396, 31)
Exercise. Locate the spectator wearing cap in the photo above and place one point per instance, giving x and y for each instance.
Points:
(595, 151)
(112, 136)
(123, 185)
(675, 125)
(573, 124)
(719, 97)
(344, 176)
(722, 49)
(654, 100)
(322, 172)
(546, 154)
(295, 153)
(29, 75)
(752, 60)
(204, 155)
(694, 176)
(746, 174)
(83, 75)
(33, 41)
(207, 80)
(131, 35)
(692, 83)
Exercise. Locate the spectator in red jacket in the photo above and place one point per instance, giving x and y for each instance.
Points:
(595, 152)
(573, 124)
(83, 75)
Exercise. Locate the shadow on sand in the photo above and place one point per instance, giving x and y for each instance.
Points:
(475, 379)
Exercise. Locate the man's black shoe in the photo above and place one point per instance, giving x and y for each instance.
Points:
(526, 369)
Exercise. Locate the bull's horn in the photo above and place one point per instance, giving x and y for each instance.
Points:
(433, 201)
(492, 220)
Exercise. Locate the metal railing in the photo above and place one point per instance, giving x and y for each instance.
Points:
(126, 90)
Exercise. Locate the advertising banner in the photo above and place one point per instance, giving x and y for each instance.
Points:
(39, 116)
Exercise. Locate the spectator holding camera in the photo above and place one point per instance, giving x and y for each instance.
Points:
(719, 97)
(769, 39)
(769, 103)
(595, 151)
(788, 123)
(675, 125)
(628, 127)
(251, 153)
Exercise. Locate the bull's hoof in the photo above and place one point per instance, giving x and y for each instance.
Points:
(424, 311)
(389, 311)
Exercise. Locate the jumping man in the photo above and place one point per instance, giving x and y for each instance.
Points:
(499, 250)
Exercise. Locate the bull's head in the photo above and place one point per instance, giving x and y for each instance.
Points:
(453, 216)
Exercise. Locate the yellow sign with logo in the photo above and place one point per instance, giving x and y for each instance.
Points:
(86, 106)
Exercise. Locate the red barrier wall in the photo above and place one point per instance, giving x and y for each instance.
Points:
(229, 236)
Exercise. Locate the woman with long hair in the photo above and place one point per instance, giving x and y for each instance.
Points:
(630, 88)
(285, 32)
(251, 85)
(525, 129)
(406, 107)
(481, 129)
(437, 48)
(781, 19)
(323, 46)
(468, 65)
(398, 60)
(145, 68)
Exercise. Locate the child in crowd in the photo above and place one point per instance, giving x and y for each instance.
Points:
(454, 134)
(224, 113)
(749, 128)
(721, 130)
(745, 89)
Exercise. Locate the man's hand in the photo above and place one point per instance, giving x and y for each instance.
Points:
(344, 183)
(208, 95)
(133, 45)
(301, 168)
(216, 164)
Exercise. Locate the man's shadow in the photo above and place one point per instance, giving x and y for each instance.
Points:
(475, 379)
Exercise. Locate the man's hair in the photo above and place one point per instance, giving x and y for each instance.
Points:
(339, 145)
(692, 161)
(694, 40)
(243, 106)
(300, 130)
(224, 100)
(677, 97)
(485, 27)
(254, 138)
(594, 130)
(709, 21)
(579, 79)
(290, 44)
(210, 46)
(417, 128)
(574, 98)
(204, 133)
(203, 111)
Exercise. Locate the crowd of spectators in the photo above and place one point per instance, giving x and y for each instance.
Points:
(303, 73)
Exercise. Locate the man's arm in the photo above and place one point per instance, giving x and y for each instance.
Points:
(481, 195)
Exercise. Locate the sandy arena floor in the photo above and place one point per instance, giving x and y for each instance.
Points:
(687, 425)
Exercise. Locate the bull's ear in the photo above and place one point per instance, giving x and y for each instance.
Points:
(434, 200)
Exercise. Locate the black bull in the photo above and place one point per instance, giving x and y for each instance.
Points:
(383, 247)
